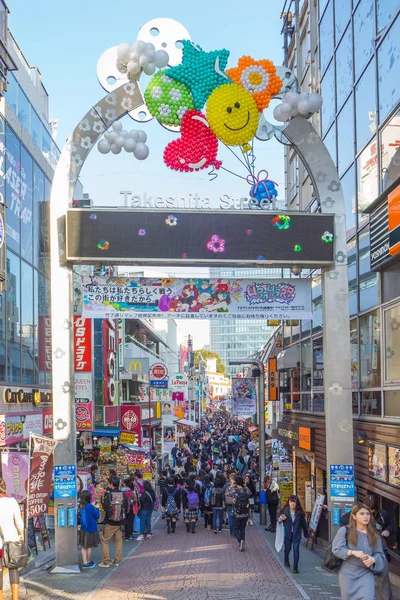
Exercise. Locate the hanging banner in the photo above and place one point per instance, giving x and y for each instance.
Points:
(131, 421)
(15, 466)
(244, 397)
(130, 298)
(84, 401)
(41, 474)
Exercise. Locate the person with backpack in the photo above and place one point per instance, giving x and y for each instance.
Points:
(115, 505)
(191, 503)
(272, 497)
(229, 491)
(240, 508)
(294, 521)
(133, 507)
(88, 535)
(171, 503)
(206, 501)
(217, 503)
(147, 501)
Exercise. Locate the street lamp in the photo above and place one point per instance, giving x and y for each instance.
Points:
(261, 422)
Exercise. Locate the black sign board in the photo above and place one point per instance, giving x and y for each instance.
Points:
(210, 238)
(296, 435)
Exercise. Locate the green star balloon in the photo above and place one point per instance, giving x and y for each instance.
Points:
(201, 71)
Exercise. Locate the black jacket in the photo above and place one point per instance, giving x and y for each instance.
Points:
(147, 500)
(107, 506)
(293, 529)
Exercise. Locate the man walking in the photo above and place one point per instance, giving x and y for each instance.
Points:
(240, 507)
(115, 505)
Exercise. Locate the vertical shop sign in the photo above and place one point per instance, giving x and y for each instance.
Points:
(15, 467)
(110, 362)
(48, 421)
(83, 402)
(131, 421)
(82, 344)
(41, 451)
(272, 379)
(44, 326)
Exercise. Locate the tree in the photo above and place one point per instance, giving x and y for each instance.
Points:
(221, 367)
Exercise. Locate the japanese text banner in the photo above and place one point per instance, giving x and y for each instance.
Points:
(123, 297)
(244, 397)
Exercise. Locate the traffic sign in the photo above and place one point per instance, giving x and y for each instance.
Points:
(158, 375)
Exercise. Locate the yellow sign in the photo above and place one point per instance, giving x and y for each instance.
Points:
(146, 475)
(128, 438)
(273, 322)
(135, 366)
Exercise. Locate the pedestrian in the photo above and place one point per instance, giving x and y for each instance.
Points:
(93, 473)
(11, 530)
(206, 501)
(250, 485)
(191, 503)
(294, 521)
(115, 506)
(229, 490)
(130, 491)
(147, 501)
(88, 534)
(272, 496)
(217, 503)
(171, 503)
(240, 509)
(360, 548)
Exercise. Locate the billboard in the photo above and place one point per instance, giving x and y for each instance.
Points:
(217, 238)
(124, 297)
(244, 397)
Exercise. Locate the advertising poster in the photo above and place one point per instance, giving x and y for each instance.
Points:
(82, 344)
(342, 483)
(131, 421)
(316, 512)
(394, 466)
(15, 467)
(377, 461)
(41, 472)
(84, 401)
(65, 481)
(16, 428)
(130, 298)
(244, 397)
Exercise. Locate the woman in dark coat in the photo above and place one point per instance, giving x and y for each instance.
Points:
(294, 521)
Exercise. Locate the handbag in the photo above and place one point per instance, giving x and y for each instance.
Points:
(279, 536)
(15, 554)
(332, 562)
(136, 524)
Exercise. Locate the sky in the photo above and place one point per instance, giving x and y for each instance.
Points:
(66, 39)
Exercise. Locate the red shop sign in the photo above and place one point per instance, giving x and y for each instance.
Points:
(131, 421)
(82, 344)
(84, 414)
(48, 421)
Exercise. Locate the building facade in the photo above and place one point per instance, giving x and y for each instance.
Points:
(355, 71)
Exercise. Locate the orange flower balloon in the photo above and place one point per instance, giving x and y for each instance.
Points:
(258, 77)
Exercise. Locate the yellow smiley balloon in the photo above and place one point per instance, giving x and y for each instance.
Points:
(232, 114)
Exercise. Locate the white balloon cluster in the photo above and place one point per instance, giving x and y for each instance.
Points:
(132, 141)
(131, 59)
(294, 104)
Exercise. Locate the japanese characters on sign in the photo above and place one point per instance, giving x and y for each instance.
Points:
(15, 473)
(16, 428)
(82, 344)
(41, 472)
(83, 401)
(131, 421)
(65, 481)
(342, 483)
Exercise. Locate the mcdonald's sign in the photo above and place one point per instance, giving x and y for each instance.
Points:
(137, 366)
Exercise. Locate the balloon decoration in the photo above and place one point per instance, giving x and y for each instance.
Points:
(197, 147)
(297, 104)
(117, 139)
(167, 99)
(258, 77)
(262, 188)
(132, 59)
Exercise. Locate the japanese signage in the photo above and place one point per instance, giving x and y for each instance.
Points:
(385, 231)
(15, 467)
(44, 333)
(342, 483)
(83, 401)
(128, 438)
(23, 396)
(82, 345)
(272, 379)
(296, 435)
(41, 472)
(65, 481)
(128, 298)
(16, 428)
(131, 421)
(244, 397)
(158, 374)
(110, 338)
(317, 512)
(48, 421)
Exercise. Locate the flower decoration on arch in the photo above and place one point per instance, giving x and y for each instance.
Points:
(258, 77)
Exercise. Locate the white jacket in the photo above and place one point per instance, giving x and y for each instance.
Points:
(11, 523)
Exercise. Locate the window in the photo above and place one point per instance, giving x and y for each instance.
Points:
(330, 142)
(388, 80)
(342, 16)
(388, 136)
(24, 109)
(352, 273)
(371, 405)
(13, 189)
(26, 204)
(13, 318)
(392, 343)
(367, 178)
(36, 128)
(344, 68)
(306, 365)
(345, 135)
(377, 461)
(12, 91)
(349, 191)
(355, 366)
(46, 144)
(328, 93)
(370, 349)
(27, 324)
(38, 199)
(3, 325)
(363, 35)
(368, 280)
(385, 10)
(327, 34)
(392, 403)
(318, 364)
(354, 402)
(366, 117)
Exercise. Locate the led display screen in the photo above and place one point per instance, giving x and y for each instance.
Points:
(194, 237)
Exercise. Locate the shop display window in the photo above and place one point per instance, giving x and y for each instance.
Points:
(394, 466)
(392, 403)
(389, 135)
(13, 318)
(355, 365)
(354, 401)
(370, 347)
(318, 364)
(377, 461)
(371, 404)
(392, 343)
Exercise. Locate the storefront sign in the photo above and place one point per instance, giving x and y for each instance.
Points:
(110, 364)
(41, 472)
(48, 421)
(137, 366)
(197, 298)
(179, 382)
(244, 397)
(316, 512)
(128, 438)
(84, 401)
(131, 421)
(82, 345)
(23, 396)
(342, 483)
(15, 466)
(272, 380)
(158, 374)
(296, 435)
(16, 428)
(65, 481)
(44, 334)
(385, 231)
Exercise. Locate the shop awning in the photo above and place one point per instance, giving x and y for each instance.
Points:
(107, 431)
(252, 428)
(154, 423)
(187, 423)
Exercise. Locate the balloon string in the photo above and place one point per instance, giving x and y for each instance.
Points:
(243, 163)
(253, 157)
(232, 173)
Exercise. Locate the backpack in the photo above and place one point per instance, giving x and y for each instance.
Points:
(171, 507)
(241, 502)
(116, 511)
(207, 496)
(193, 500)
(230, 494)
(216, 497)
